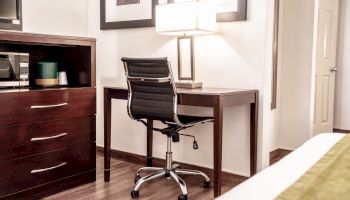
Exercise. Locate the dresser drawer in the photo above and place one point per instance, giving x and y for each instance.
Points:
(37, 170)
(22, 141)
(45, 105)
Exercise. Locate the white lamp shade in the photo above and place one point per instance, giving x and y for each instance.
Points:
(186, 18)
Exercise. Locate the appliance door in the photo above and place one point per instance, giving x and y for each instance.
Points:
(6, 70)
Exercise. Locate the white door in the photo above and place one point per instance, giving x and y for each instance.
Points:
(325, 65)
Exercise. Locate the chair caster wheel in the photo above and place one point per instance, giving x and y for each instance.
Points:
(134, 194)
(137, 178)
(182, 197)
(176, 138)
(206, 184)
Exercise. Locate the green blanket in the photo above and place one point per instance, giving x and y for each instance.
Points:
(328, 179)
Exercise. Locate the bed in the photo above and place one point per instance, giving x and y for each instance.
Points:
(271, 182)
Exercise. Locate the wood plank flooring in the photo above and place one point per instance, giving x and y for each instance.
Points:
(121, 183)
(278, 154)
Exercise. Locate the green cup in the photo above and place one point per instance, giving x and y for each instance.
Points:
(47, 74)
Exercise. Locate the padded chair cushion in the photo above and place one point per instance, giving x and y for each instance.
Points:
(187, 119)
(153, 100)
(147, 67)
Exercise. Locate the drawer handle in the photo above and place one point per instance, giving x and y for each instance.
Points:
(49, 106)
(35, 171)
(48, 138)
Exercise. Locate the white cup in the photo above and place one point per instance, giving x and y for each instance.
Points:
(62, 78)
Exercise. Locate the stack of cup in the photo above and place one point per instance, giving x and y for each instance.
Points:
(62, 78)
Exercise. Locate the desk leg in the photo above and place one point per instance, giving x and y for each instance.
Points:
(149, 143)
(254, 109)
(107, 134)
(218, 123)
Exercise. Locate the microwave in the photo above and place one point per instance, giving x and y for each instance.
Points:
(14, 70)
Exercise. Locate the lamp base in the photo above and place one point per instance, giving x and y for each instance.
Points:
(189, 85)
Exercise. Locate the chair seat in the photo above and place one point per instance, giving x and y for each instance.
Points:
(187, 119)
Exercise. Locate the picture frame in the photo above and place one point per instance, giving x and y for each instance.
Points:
(239, 13)
(228, 10)
(112, 17)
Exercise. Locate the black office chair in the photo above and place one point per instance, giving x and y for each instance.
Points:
(152, 95)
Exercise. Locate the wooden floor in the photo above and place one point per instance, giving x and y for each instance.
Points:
(278, 154)
(122, 175)
(121, 183)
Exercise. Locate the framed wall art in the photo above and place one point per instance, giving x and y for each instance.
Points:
(231, 10)
(227, 10)
(122, 14)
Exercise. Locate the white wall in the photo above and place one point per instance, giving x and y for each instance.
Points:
(342, 90)
(296, 45)
(237, 57)
(60, 17)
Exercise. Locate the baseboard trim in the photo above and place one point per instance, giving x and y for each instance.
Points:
(336, 130)
(140, 159)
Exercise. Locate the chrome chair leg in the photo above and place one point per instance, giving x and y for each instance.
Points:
(192, 172)
(149, 169)
(170, 169)
(176, 166)
(180, 182)
(148, 178)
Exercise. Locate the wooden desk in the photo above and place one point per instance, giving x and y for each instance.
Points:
(215, 98)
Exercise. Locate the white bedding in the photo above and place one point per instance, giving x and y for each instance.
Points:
(272, 181)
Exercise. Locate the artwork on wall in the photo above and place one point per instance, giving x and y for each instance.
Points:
(227, 10)
(231, 10)
(121, 14)
(127, 2)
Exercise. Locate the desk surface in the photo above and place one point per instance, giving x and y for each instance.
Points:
(204, 90)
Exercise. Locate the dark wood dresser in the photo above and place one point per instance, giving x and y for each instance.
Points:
(47, 135)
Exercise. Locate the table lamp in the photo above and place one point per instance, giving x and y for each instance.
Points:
(185, 20)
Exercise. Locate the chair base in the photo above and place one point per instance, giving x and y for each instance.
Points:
(173, 173)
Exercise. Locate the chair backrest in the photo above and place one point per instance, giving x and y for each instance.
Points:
(152, 92)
